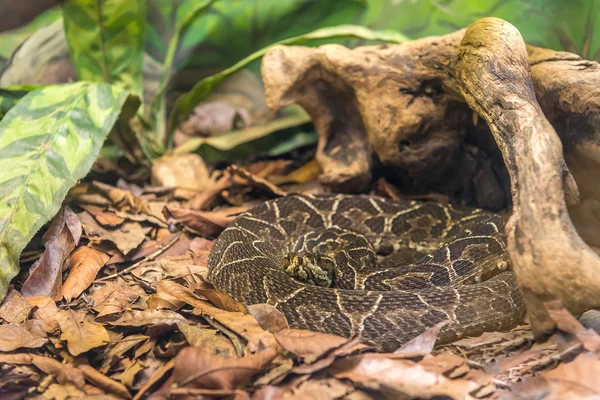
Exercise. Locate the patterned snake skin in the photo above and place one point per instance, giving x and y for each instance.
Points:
(443, 264)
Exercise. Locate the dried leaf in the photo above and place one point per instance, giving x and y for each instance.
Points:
(568, 323)
(203, 223)
(149, 317)
(80, 334)
(113, 356)
(63, 373)
(85, 264)
(63, 392)
(46, 311)
(29, 334)
(268, 317)
(207, 339)
(401, 377)
(222, 300)
(111, 300)
(126, 237)
(14, 308)
(307, 344)
(104, 382)
(104, 218)
(185, 172)
(257, 181)
(199, 368)
(162, 299)
(122, 199)
(422, 344)
(45, 277)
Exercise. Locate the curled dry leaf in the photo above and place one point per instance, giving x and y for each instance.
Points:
(45, 311)
(307, 344)
(268, 317)
(203, 223)
(222, 300)
(85, 264)
(104, 217)
(104, 382)
(112, 299)
(162, 299)
(256, 181)
(29, 334)
(120, 198)
(45, 277)
(568, 323)
(125, 237)
(149, 317)
(400, 377)
(207, 339)
(80, 334)
(115, 354)
(14, 308)
(422, 344)
(196, 367)
(63, 373)
(187, 173)
(66, 391)
(215, 186)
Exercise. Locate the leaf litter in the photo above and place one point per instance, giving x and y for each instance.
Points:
(118, 305)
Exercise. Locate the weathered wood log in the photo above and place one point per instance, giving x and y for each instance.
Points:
(411, 107)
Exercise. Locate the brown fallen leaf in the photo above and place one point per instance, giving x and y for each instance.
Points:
(126, 237)
(252, 180)
(422, 344)
(187, 173)
(162, 299)
(45, 310)
(29, 334)
(213, 189)
(45, 277)
(63, 392)
(306, 173)
(222, 300)
(308, 345)
(156, 377)
(85, 265)
(400, 377)
(199, 368)
(243, 325)
(268, 317)
(112, 299)
(63, 373)
(104, 382)
(149, 317)
(80, 334)
(104, 217)
(120, 198)
(203, 223)
(208, 339)
(15, 308)
(568, 323)
(115, 353)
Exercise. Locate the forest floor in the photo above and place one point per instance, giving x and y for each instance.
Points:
(133, 315)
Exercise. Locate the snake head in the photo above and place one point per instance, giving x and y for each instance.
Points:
(313, 268)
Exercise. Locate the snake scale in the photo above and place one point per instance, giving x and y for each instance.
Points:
(383, 269)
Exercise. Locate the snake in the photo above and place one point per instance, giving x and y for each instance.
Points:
(376, 268)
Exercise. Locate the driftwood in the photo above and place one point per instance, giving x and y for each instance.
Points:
(414, 109)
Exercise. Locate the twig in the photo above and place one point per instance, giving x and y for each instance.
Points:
(149, 257)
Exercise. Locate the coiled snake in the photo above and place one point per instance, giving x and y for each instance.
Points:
(443, 263)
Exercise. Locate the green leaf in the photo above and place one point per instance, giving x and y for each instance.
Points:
(48, 141)
(186, 103)
(233, 29)
(9, 96)
(272, 139)
(106, 38)
(157, 112)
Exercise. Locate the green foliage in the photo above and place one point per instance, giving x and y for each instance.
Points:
(9, 96)
(271, 139)
(186, 103)
(48, 141)
(556, 24)
(106, 38)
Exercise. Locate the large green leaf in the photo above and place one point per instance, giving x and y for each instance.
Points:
(48, 141)
(9, 96)
(106, 38)
(186, 103)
